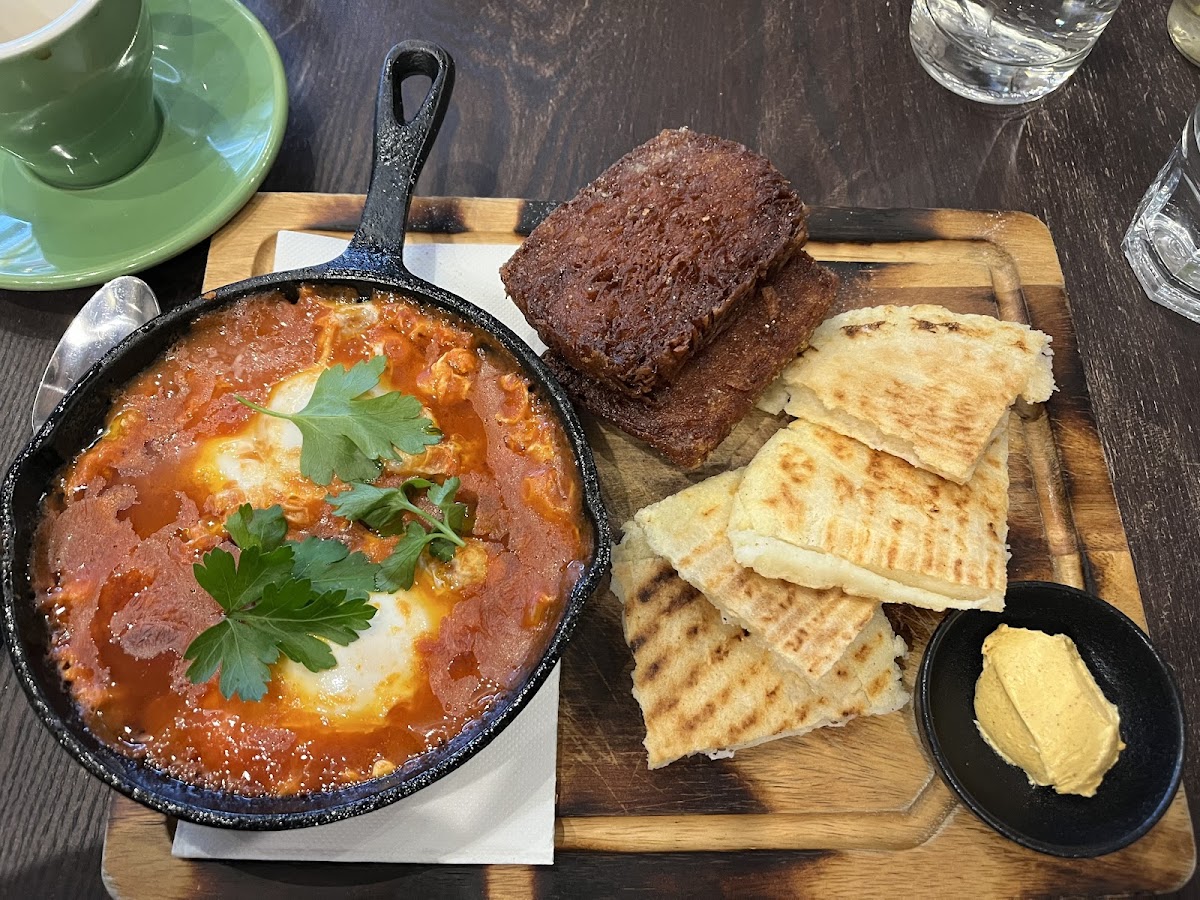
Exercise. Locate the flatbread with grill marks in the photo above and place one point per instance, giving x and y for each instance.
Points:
(807, 629)
(705, 688)
(823, 510)
(920, 382)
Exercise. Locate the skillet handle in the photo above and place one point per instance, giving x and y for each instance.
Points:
(401, 149)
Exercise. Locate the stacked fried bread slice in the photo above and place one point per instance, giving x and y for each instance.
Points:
(920, 382)
(808, 630)
(688, 417)
(704, 687)
(823, 510)
(673, 289)
(628, 280)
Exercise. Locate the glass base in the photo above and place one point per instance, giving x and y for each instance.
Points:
(1157, 281)
(988, 89)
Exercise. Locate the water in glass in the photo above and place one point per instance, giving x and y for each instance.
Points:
(1005, 51)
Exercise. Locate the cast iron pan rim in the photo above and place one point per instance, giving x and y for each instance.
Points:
(933, 744)
(363, 265)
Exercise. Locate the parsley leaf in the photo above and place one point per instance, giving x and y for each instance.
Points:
(347, 434)
(243, 663)
(250, 527)
(330, 566)
(327, 564)
(389, 511)
(287, 617)
(370, 505)
(235, 585)
(295, 617)
(454, 514)
(399, 570)
(278, 597)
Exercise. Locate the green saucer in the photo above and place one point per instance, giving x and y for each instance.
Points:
(220, 84)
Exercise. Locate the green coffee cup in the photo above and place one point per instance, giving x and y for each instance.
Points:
(76, 92)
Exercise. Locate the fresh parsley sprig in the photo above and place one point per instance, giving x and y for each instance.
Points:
(389, 511)
(327, 564)
(278, 596)
(346, 433)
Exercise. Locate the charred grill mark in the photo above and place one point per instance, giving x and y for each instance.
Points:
(685, 595)
(878, 684)
(747, 722)
(854, 330)
(648, 592)
(924, 325)
(661, 709)
(644, 635)
(692, 677)
(724, 694)
(723, 649)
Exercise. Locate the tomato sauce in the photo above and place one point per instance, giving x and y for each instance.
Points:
(134, 512)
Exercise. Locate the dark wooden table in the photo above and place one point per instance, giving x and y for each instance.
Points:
(548, 94)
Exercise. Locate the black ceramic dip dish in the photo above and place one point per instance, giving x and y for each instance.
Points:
(1139, 787)
(372, 262)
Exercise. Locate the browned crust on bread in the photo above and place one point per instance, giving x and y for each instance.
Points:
(687, 419)
(644, 266)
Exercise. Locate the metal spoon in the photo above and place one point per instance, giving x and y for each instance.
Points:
(120, 307)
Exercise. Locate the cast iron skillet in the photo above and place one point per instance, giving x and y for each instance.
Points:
(373, 260)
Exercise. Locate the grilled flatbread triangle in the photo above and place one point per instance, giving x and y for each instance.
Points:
(705, 688)
(919, 382)
(807, 629)
(820, 509)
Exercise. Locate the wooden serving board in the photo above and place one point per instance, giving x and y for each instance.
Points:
(855, 811)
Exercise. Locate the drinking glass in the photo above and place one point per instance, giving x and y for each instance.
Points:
(1005, 51)
(1161, 244)
(76, 88)
(1183, 24)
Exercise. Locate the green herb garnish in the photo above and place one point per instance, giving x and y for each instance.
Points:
(278, 597)
(327, 563)
(264, 528)
(330, 566)
(348, 434)
(389, 511)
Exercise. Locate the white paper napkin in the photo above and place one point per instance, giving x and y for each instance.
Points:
(498, 807)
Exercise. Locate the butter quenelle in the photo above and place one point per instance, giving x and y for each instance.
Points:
(1039, 707)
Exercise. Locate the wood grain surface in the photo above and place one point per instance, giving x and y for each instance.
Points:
(547, 95)
(860, 794)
